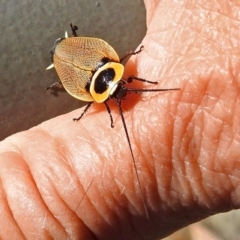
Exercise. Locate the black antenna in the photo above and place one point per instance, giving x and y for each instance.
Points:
(139, 90)
(134, 163)
(84, 195)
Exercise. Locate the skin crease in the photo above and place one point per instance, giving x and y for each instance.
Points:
(64, 179)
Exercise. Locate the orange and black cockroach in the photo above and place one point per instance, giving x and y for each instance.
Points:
(90, 70)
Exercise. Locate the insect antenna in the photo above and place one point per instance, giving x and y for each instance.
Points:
(140, 90)
(118, 101)
(84, 195)
(110, 115)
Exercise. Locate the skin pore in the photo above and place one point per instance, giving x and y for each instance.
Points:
(186, 143)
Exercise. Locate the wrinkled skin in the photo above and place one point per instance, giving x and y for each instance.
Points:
(64, 179)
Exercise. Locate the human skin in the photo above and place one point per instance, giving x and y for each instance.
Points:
(65, 179)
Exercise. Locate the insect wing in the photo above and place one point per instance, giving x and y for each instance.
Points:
(76, 59)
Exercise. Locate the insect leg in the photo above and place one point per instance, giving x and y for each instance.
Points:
(55, 85)
(109, 112)
(130, 54)
(130, 146)
(131, 78)
(84, 111)
(74, 29)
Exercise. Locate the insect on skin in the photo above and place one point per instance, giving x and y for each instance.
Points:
(90, 70)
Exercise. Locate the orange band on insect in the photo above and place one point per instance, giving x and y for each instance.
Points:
(90, 70)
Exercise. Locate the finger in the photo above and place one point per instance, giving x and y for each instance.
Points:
(205, 63)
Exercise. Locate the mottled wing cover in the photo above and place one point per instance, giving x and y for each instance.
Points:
(75, 59)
